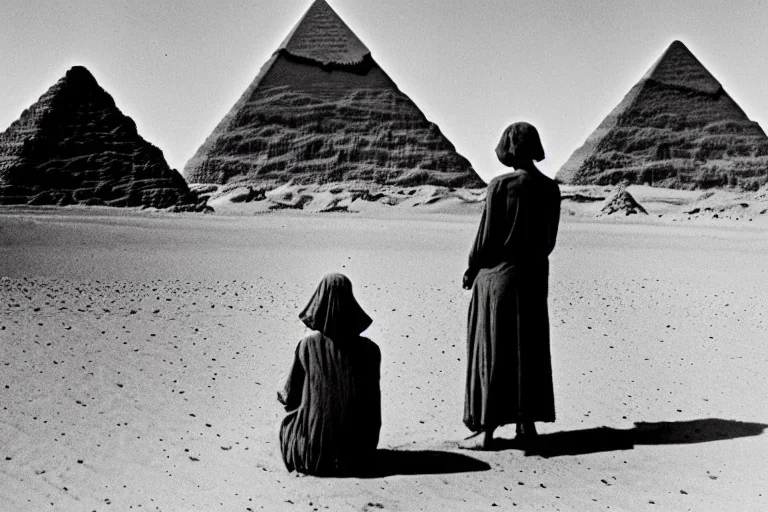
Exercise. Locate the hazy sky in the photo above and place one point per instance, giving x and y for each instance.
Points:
(176, 67)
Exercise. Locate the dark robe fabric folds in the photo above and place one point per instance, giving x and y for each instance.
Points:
(332, 393)
(509, 370)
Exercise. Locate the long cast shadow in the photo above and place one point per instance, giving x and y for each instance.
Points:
(421, 462)
(605, 439)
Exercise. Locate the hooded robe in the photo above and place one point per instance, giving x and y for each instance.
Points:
(332, 393)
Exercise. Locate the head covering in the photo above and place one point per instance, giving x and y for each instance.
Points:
(521, 141)
(333, 310)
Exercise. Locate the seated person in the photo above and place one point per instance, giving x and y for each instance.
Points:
(332, 393)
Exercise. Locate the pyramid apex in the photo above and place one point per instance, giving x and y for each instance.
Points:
(80, 75)
(676, 46)
(322, 36)
(325, 2)
(678, 66)
(79, 71)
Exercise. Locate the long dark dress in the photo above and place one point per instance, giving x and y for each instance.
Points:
(509, 370)
(334, 405)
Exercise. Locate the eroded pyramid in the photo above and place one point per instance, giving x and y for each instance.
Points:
(75, 146)
(321, 110)
(675, 128)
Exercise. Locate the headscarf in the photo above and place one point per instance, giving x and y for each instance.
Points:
(333, 310)
(519, 140)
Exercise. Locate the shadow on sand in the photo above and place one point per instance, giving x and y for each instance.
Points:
(421, 462)
(604, 439)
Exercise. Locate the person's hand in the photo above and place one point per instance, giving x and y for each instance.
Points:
(468, 280)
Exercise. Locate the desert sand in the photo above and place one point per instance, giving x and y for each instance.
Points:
(141, 352)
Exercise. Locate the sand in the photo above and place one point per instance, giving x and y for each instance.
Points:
(580, 202)
(141, 352)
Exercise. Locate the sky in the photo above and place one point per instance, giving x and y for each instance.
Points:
(176, 67)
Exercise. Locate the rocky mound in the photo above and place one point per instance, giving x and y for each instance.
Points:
(322, 110)
(74, 146)
(728, 205)
(620, 201)
(676, 128)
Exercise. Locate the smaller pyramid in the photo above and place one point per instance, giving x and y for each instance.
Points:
(74, 146)
(675, 128)
(621, 202)
(322, 110)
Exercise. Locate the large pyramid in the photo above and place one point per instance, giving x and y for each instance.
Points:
(321, 110)
(75, 146)
(676, 128)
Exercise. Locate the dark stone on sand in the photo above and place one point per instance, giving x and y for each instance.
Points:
(621, 201)
(252, 194)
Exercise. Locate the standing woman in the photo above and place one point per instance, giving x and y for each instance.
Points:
(509, 370)
(332, 395)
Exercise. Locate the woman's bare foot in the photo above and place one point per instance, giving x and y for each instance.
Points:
(480, 441)
(526, 431)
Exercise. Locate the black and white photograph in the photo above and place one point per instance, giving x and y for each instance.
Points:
(337, 255)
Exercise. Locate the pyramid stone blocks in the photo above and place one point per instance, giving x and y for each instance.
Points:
(322, 110)
(676, 128)
(74, 146)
